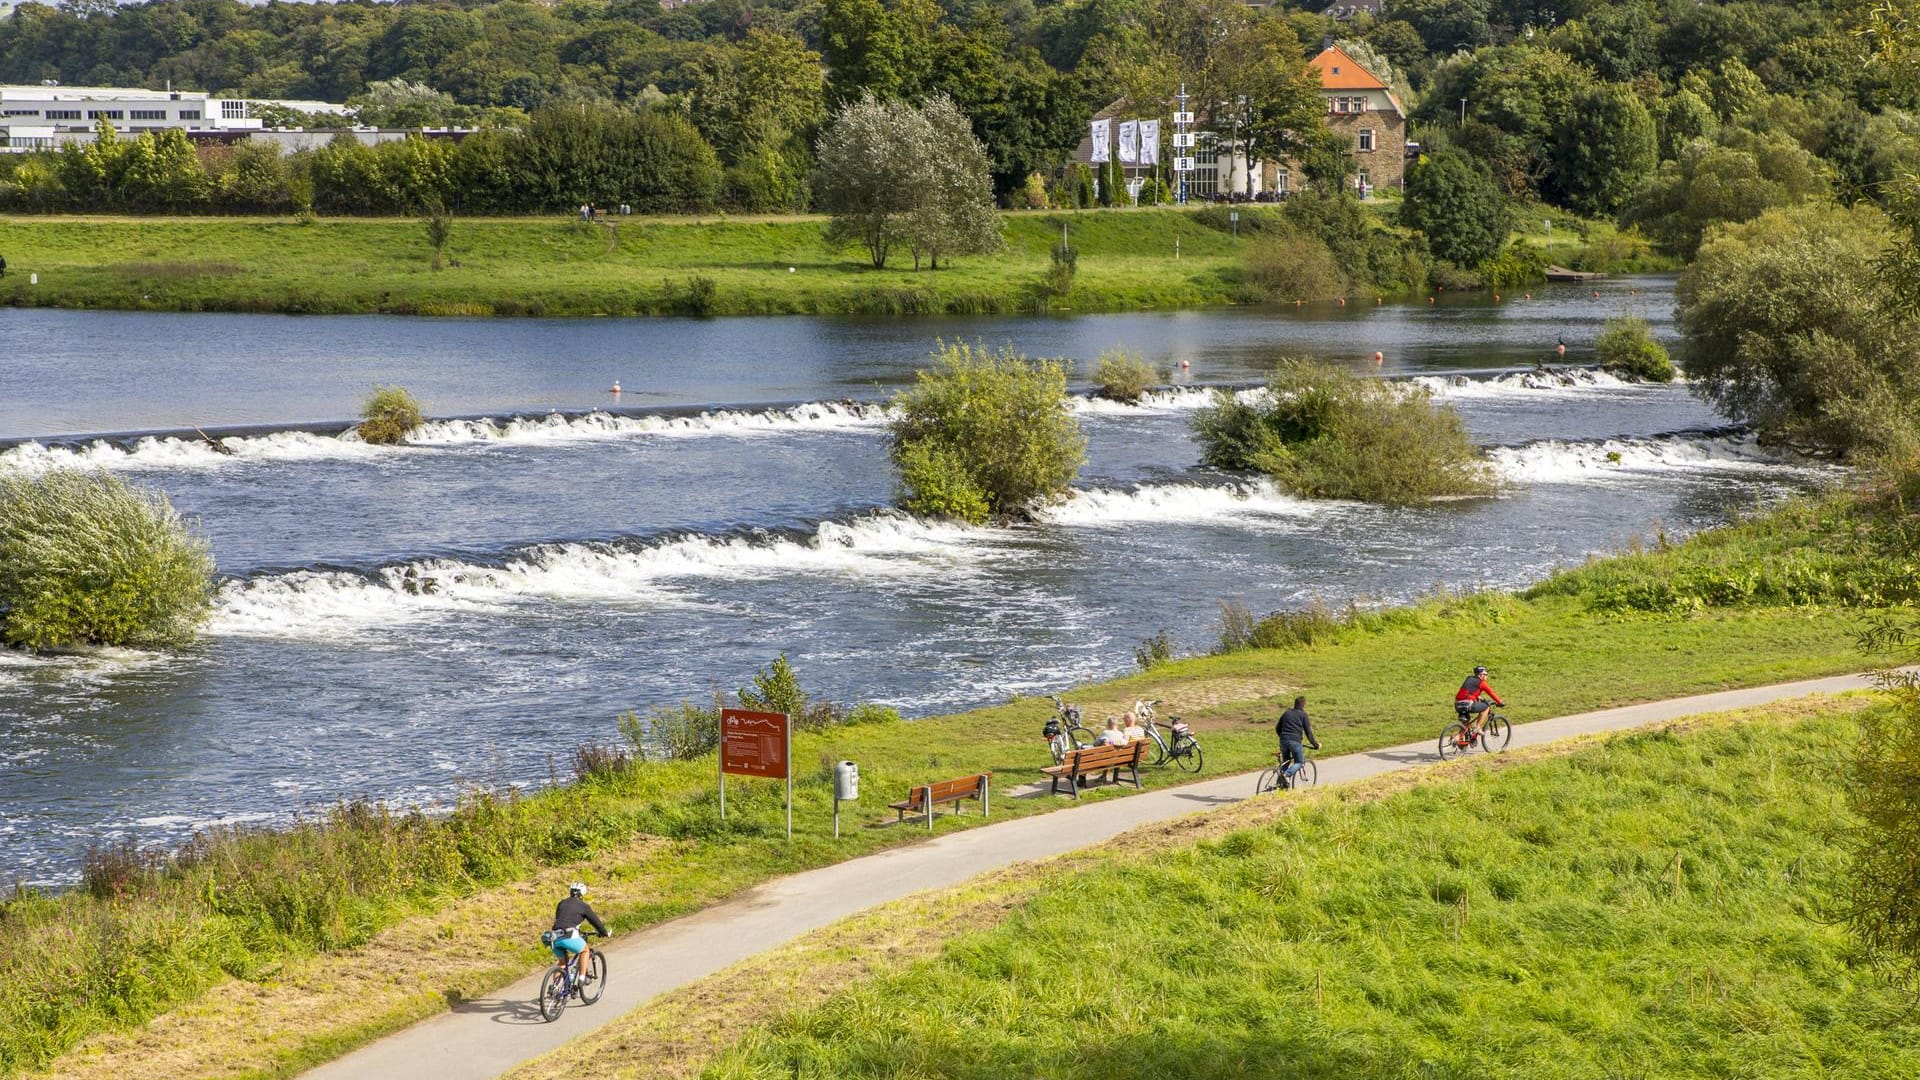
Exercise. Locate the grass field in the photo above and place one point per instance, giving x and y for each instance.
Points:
(1650, 905)
(285, 943)
(1128, 259)
(530, 266)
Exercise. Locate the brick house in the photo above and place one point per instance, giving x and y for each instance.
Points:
(1364, 110)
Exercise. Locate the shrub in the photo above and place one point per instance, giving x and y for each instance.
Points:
(1323, 432)
(775, 689)
(1627, 347)
(1453, 201)
(673, 732)
(389, 415)
(597, 761)
(1060, 274)
(438, 224)
(1288, 263)
(86, 559)
(1154, 651)
(1000, 420)
(1236, 627)
(1032, 194)
(1123, 376)
(1517, 264)
(938, 483)
(1882, 901)
(696, 298)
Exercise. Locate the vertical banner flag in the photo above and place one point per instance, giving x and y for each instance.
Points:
(1149, 142)
(1129, 139)
(1100, 130)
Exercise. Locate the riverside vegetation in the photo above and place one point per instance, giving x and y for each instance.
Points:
(87, 559)
(388, 416)
(143, 937)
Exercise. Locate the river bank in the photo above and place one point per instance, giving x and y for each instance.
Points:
(1127, 260)
(268, 924)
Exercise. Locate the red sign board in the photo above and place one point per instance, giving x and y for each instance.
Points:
(753, 743)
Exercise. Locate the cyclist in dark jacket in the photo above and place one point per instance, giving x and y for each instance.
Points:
(1292, 729)
(568, 915)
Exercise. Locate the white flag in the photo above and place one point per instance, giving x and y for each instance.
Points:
(1129, 139)
(1149, 142)
(1100, 141)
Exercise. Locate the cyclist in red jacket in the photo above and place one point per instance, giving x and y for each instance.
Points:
(1467, 704)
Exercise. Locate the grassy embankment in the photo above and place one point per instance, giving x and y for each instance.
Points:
(529, 266)
(292, 947)
(1651, 904)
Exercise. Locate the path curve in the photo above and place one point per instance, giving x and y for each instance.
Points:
(486, 1037)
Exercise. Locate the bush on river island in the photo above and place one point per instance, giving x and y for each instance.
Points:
(389, 416)
(87, 559)
(1626, 347)
(982, 433)
(1325, 433)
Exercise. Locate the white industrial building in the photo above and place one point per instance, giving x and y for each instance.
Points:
(45, 116)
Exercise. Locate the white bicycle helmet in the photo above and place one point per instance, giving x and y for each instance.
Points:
(577, 889)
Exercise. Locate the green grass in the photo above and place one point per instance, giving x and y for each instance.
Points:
(1650, 907)
(640, 266)
(140, 943)
(547, 267)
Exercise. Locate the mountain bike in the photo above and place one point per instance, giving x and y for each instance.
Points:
(1307, 775)
(1491, 733)
(1063, 731)
(565, 980)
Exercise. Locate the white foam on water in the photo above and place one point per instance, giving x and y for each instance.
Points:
(1525, 383)
(170, 452)
(325, 603)
(1557, 462)
(811, 416)
(1172, 399)
(1109, 507)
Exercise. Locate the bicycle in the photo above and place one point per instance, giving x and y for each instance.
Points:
(1063, 731)
(1307, 775)
(1490, 732)
(563, 980)
(1183, 749)
(1143, 714)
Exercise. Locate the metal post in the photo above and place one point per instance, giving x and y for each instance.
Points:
(986, 796)
(1463, 112)
(789, 779)
(720, 766)
(836, 809)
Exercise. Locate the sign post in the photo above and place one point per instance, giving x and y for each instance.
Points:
(756, 744)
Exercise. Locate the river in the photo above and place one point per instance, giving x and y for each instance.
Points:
(589, 562)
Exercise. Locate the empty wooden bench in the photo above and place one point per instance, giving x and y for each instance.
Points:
(924, 798)
(1096, 759)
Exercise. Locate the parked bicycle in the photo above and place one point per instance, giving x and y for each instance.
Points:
(1063, 731)
(1307, 775)
(565, 980)
(1176, 744)
(1143, 715)
(1489, 731)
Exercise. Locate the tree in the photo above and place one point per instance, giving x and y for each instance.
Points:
(1714, 183)
(892, 174)
(1680, 118)
(982, 433)
(1602, 150)
(865, 174)
(397, 103)
(1452, 200)
(1790, 327)
(954, 214)
(877, 47)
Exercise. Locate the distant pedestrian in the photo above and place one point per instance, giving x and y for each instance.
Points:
(3, 266)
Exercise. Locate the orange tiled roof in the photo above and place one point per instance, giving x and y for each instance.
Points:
(1338, 71)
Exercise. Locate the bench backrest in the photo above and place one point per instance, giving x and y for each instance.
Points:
(1106, 757)
(949, 789)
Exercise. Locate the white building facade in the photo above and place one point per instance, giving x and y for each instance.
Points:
(43, 117)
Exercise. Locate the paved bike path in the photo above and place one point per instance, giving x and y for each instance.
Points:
(486, 1037)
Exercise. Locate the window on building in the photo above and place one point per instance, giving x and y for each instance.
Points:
(1204, 181)
(149, 114)
(63, 114)
(23, 112)
(233, 110)
(111, 114)
(189, 114)
(1282, 180)
(1366, 140)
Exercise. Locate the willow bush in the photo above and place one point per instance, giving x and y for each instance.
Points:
(389, 415)
(1322, 432)
(983, 433)
(87, 559)
(1123, 376)
(1626, 347)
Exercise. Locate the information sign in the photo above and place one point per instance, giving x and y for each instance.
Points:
(756, 744)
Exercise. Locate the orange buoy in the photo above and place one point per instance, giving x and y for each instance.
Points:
(1378, 356)
(1429, 299)
(616, 387)
(1496, 298)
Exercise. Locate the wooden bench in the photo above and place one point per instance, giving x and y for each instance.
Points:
(924, 798)
(1096, 759)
